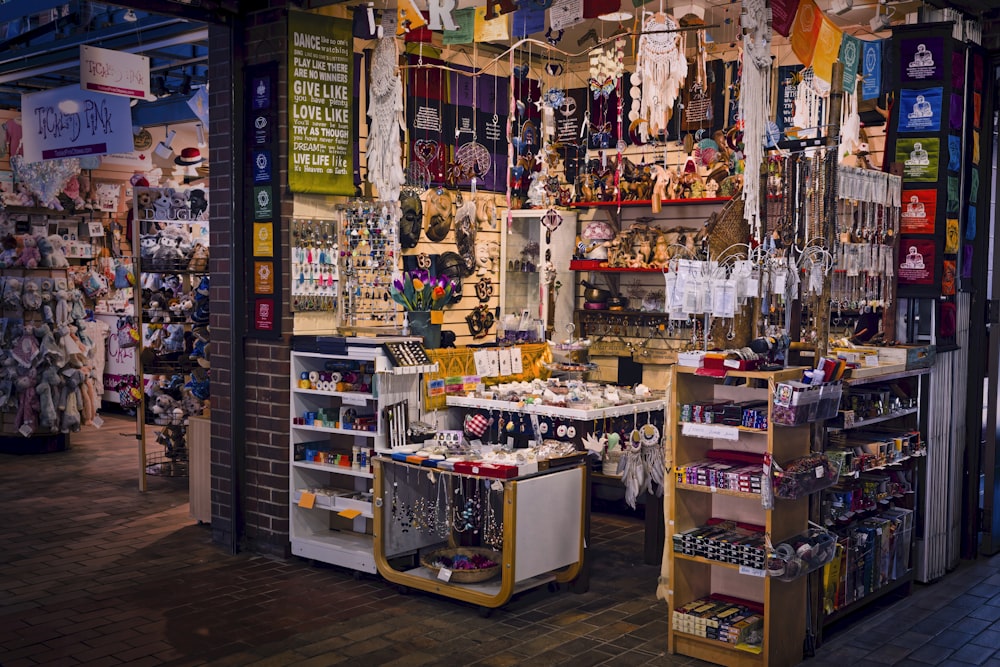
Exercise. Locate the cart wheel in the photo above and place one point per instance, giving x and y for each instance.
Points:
(402, 590)
(485, 612)
(553, 587)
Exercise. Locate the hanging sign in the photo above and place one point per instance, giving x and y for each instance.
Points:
(320, 97)
(783, 13)
(488, 29)
(565, 14)
(919, 158)
(920, 110)
(69, 122)
(871, 70)
(921, 58)
(919, 209)
(114, 72)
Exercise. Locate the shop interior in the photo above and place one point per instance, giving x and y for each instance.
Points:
(708, 271)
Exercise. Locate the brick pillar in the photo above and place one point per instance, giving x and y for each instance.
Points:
(258, 445)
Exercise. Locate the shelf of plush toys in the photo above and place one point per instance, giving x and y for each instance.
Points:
(173, 321)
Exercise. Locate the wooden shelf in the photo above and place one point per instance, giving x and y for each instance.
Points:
(706, 561)
(585, 265)
(634, 203)
(871, 379)
(722, 492)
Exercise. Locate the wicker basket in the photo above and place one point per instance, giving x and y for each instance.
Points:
(464, 576)
(609, 465)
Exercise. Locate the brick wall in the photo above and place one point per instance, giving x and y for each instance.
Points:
(260, 399)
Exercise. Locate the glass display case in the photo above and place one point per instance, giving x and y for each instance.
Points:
(535, 277)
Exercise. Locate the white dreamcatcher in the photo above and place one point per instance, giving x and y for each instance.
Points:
(384, 153)
(755, 102)
(660, 70)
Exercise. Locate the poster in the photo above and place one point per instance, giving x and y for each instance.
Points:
(320, 98)
(920, 110)
(919, 158)
(919, 209)
(916, 261)
(788, 76)
(922, 58)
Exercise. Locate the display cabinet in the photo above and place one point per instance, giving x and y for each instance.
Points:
(340, 409)
(532, 526)
(525, 252)
(718, 478)
(874, 509)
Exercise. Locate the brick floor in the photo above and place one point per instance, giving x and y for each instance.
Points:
(93, 572)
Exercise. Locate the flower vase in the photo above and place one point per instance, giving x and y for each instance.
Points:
(426, 323)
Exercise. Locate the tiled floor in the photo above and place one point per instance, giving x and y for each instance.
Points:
(94, 573)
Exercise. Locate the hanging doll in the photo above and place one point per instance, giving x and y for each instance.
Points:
(26, 419)
(49, 387)
(70, 401)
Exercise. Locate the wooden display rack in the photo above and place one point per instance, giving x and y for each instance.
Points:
(691, 577)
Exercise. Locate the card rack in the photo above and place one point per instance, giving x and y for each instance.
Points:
(407, 353)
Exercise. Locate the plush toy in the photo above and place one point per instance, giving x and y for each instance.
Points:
(62, 307)
(30, 255)
(87, 191)
(49, 387)
(168, 254)
(26, 419)
(147, 246)
(31, 295)
(173, 341)
(58, 259)
(199, 258)
(8, 257)
(163, 408)
(12, 294)
(199, 204)
(70, 401)
(21, 196)
(161, 205)
(72, 191)
(179, 207)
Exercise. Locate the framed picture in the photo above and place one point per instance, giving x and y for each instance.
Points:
(109, 196)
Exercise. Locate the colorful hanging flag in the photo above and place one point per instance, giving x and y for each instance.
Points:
(828, 39)
(490, 31)
(529, 19)
(408, 17)
(805, 30)
(465, 19)
(850, 55)
(871, 70)
(783, 13)
(920, 110)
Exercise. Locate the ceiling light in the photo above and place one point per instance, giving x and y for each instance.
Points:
(880, 22)
(130, 16)
(840, 7)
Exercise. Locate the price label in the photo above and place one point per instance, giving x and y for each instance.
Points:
(752, 571)
(354, 400)
(444, 574)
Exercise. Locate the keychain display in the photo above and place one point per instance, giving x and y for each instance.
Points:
(368, 251)
(315, 265)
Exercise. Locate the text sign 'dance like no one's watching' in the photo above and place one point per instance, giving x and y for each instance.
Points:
(70, 122)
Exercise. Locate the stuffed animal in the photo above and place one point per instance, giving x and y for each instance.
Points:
(30, 255)
(147, 246)
(199, 258)
(26, 419)
(71, 189)
(161, 205)
(199, 204)
(49, 387)
(12, 294)
(8, 256)
(58, 259)
(70, 401)
(88, 397)
(173, 341)
(31, 295)
(163, 408)
(168, 254)
(62, 307)
(179, 207)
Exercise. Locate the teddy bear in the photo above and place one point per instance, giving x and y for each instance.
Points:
(144, 203)
(49, 388)
(58, 259)
(44, 249)
(173, 340)
(71, 190)
(30, 255)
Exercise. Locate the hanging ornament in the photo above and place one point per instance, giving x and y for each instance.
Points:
(384, 151)
(660, 70)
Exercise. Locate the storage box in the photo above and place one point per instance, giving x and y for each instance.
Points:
(912, 356)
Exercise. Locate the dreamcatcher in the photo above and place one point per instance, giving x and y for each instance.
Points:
(384, 153)
(755, 102)
(660, 70)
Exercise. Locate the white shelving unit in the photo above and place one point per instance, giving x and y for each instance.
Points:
(322, 532)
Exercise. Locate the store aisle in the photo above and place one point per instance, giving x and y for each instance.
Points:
(94, 573)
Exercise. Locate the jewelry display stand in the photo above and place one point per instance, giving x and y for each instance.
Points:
(535, 522)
